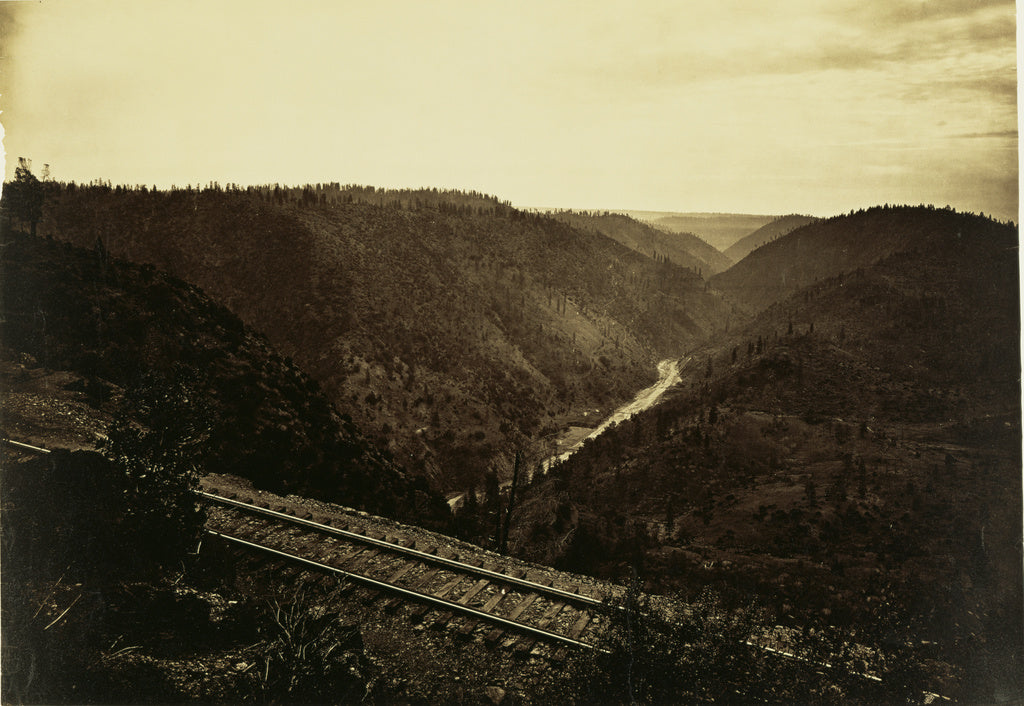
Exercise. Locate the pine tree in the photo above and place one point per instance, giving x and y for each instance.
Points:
(23, 198)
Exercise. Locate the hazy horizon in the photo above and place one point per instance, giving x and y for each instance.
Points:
(726, 107)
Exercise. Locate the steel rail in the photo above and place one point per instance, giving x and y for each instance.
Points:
(422, 556)
(26, 446)
(415, 595)
(828, 665)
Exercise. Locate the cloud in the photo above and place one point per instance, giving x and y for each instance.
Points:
(998, 134)
(10, 27)
(995, 86)
(892, 12)
(793, 39)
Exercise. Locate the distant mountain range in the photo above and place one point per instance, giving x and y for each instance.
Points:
(721, 230)
(684, 249)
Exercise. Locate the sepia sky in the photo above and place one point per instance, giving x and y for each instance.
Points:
(739, 106)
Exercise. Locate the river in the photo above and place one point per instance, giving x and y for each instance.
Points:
(668, 375)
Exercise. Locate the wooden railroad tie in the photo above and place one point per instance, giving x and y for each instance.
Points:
(580, 625)
(495, 634)
(372, 594)
(526, 642)
(474, 589)
(262, 532)
(362, 560)
(472, 621)
(402, 571)
(339, 561)
(416, 614)
(446, 615)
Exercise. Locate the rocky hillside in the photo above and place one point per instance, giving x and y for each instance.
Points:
(449, 325)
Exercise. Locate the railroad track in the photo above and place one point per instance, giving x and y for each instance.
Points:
(491, 600)
(470, 598)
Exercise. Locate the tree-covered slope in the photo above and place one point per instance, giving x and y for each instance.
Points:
(851, 457)
(827, 248)
(682, 248)
(449, 324)
(120, 326)
(777, 228)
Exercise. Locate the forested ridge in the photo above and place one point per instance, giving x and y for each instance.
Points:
(120, 327)
(826, 248)
(682, 248)
(451, 325)
(765, 234)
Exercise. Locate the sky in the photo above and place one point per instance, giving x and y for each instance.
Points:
(792, 106)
